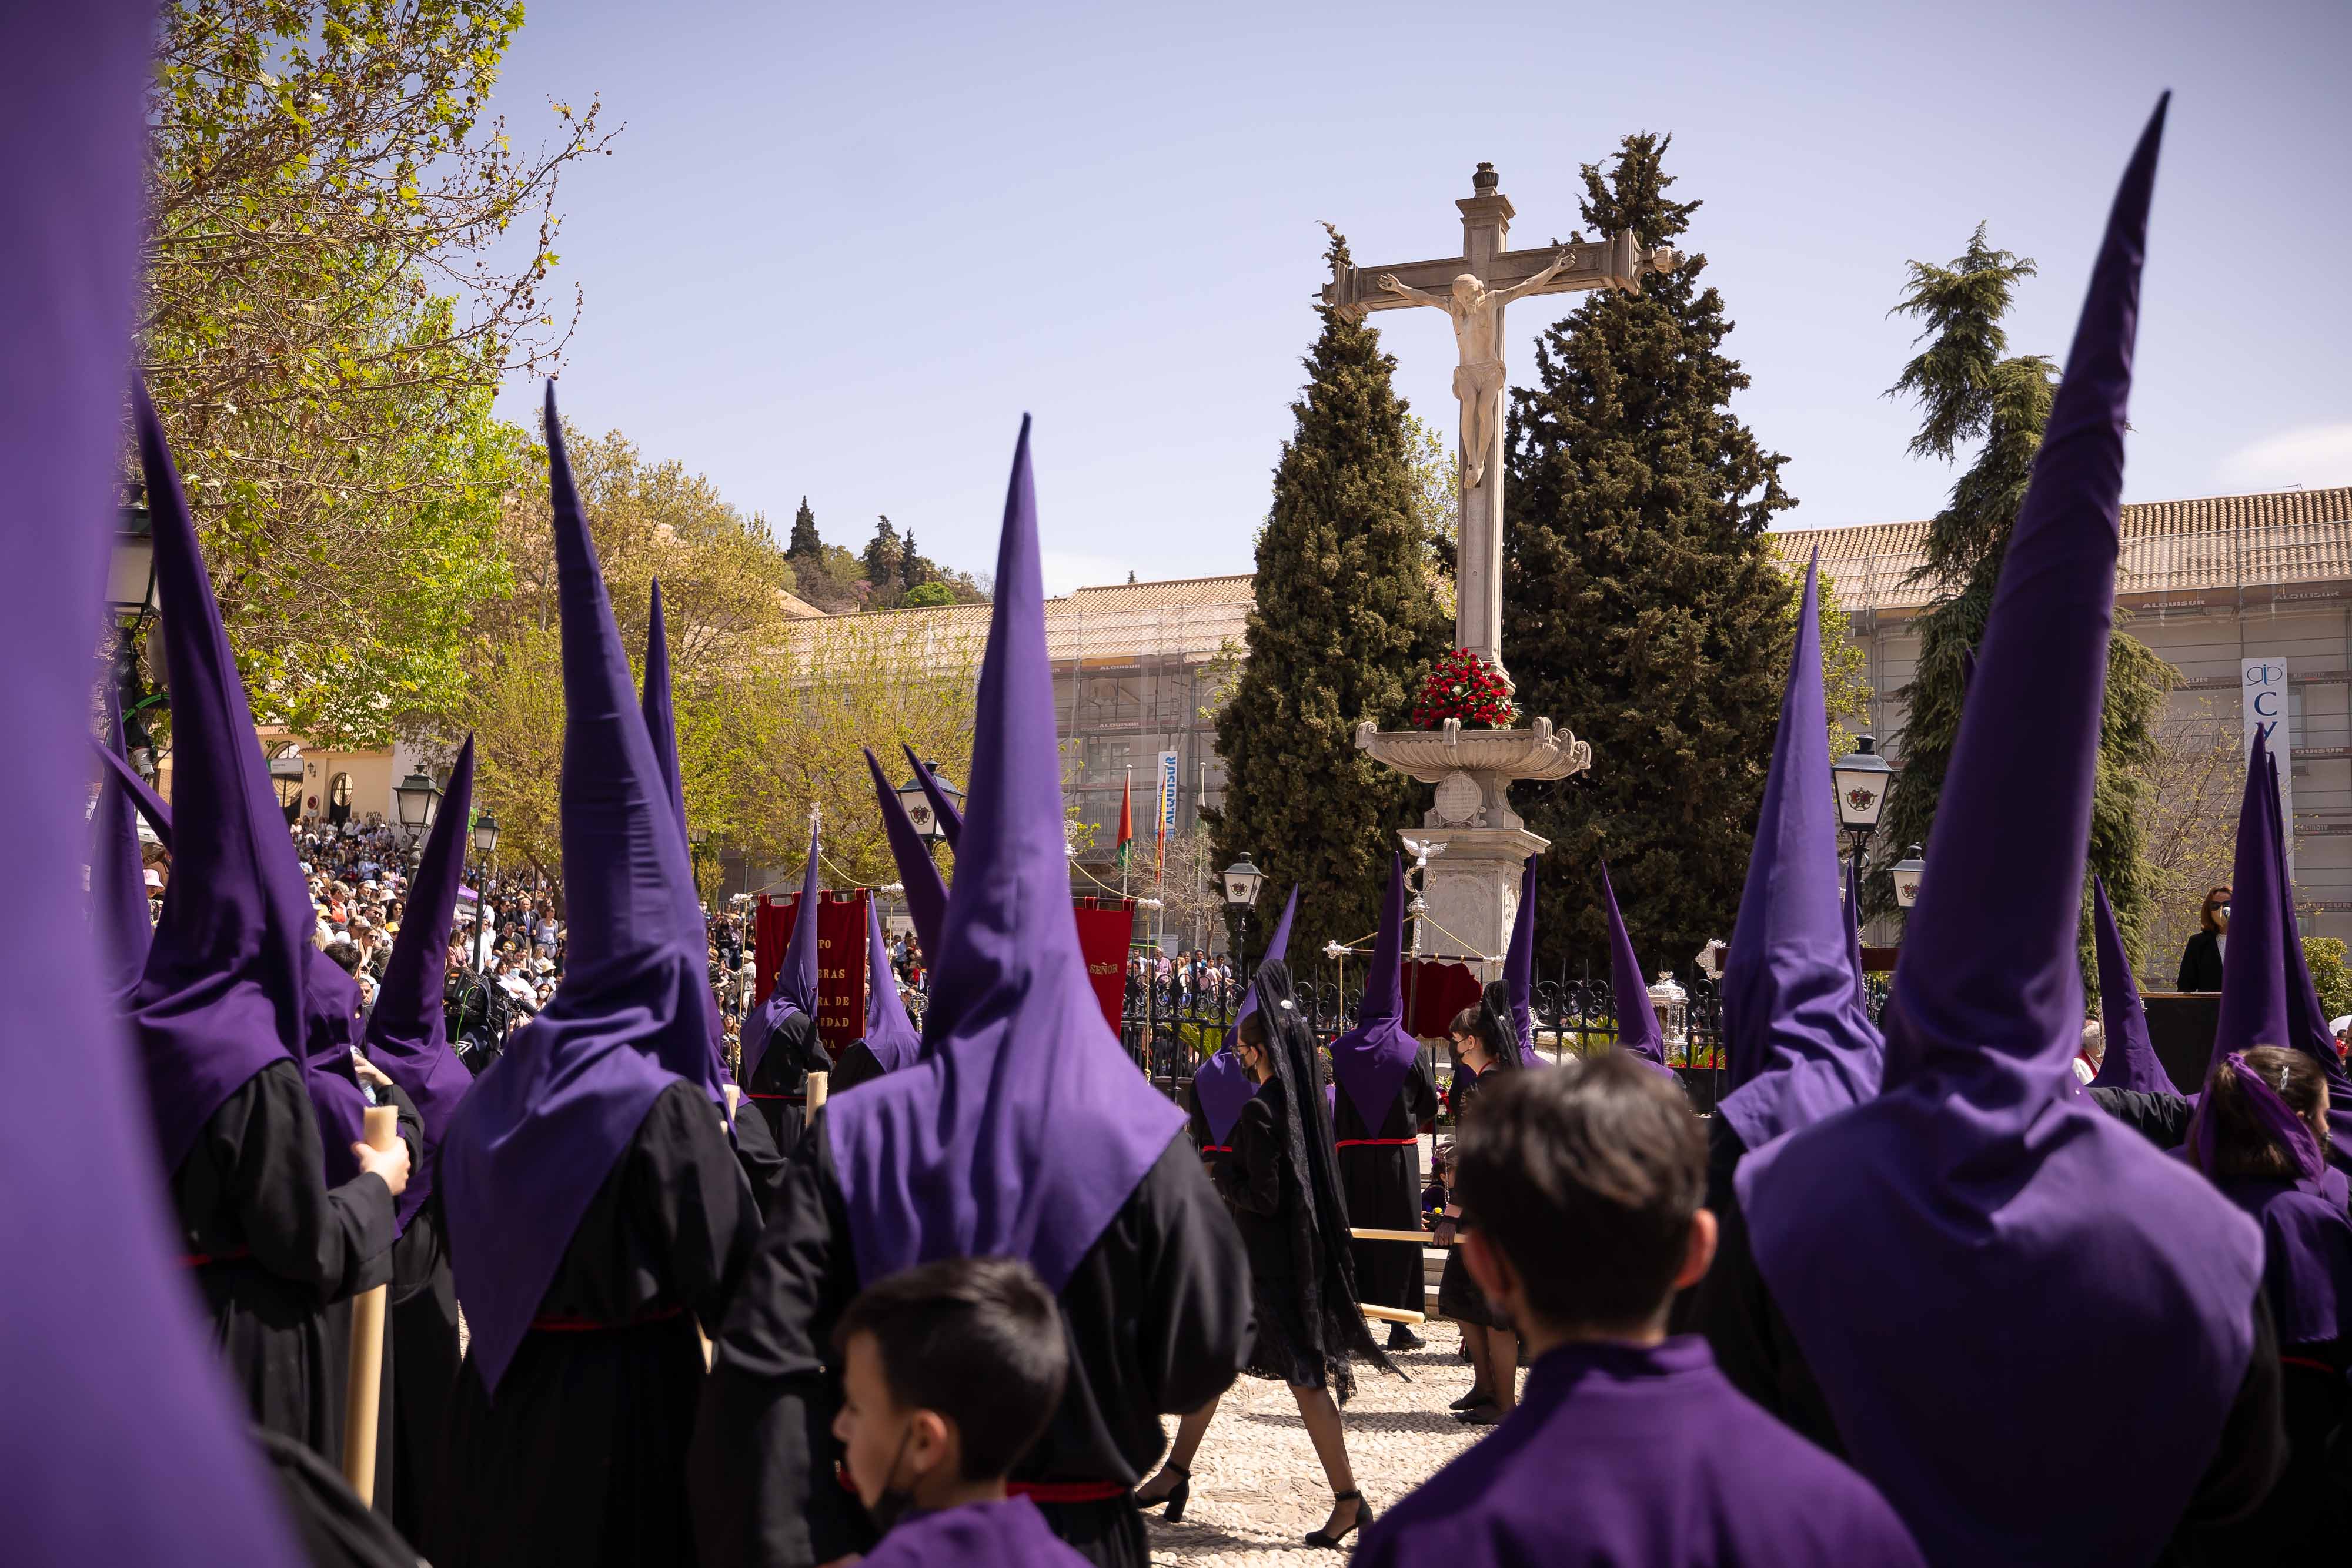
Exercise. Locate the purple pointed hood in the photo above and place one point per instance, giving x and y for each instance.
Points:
(2267, 997)
(1369, 1062)
(796, 988)
(1800, 1043)
(661, 728)
(224, 992)
(1219, 1086)
(118, 875)
(1638, 1029)
(127, 1444)
(888, 1033)
(1519, 968)
(1025, 1127)
(408, 1034)
(951, 819)
(1977, 1168)
(540, 1129)
(2130, 1061)
(919, 874)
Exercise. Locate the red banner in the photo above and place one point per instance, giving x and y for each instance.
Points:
(1441, 991)
(840, 959)
(1105, 927)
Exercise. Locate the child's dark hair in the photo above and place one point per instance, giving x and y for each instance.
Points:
(1466, 1023)
(978, 1340)
(2242, 1146)
(1587, 1184)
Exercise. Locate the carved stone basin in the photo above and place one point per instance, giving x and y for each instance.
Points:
(1428, 755)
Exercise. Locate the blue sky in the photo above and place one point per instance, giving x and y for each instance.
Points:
(840, 249)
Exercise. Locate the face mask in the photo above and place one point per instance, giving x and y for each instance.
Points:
(894, 1501)
(2223, 912)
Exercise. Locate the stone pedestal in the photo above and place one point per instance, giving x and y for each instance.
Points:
(1471, 890)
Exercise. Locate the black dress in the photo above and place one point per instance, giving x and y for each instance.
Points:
(1754, 1350)
(779, 1085)
(1379, 1170)
(1157, 1315)
(581, 1459)
(2200, 963)
(276, 1256)
(1258, 1184)
(1458, 1295)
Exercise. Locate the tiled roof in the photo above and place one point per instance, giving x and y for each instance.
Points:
(2277, 537)
(1185, 618)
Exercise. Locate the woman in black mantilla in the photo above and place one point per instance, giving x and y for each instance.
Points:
(1281, 1181)
(1486, 1043)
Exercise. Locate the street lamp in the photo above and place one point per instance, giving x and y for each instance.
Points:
(130, 599)
(486, 844)
(696, 839)
(418, 799)
(1242, 879)
(1862, 777)
(918, 804)
(1908, 873)
(486, 834)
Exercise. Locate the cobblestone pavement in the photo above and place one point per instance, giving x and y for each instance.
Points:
(1256, 1487)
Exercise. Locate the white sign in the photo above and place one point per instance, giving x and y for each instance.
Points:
(2262, 693)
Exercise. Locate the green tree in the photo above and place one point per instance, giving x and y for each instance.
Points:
(1643, 606)
(333, 291)
(913, 570)
(924, 595)
(1437, 502)
(884, 554)
(1971, 390)
(805, 544)
(1344, 620)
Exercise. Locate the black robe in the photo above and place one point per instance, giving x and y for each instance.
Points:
(857, 1066)
(756, 1152)
(421, 1349)
(581, 1459)
(276, 1256)
(779, 1085)
(1754, 1349)
(330, 1524)
(2200, 963)
(1379, 1172)
(1157, 1315)
(2160, 1117)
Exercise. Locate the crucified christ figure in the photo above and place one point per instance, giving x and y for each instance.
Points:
(1477, 312)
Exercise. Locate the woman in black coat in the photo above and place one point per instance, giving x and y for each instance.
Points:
(2200, 960)
(1281, 1181)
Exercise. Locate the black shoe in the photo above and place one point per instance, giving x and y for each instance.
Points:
(1403, 1338)
(1178, 1496)
(1363, 1516)
(1472, 1400)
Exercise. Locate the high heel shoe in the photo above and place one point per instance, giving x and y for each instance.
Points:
(1178, 1496)
(1363, 1516)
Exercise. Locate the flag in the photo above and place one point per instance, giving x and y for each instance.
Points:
(1126, 819)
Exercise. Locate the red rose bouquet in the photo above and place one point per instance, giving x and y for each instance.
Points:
(1462, 685)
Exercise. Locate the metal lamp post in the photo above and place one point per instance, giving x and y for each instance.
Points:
(130, 599)
(1242, 880)
(486, 849)
(1861, 777)
(1908, 872)
(418, 800)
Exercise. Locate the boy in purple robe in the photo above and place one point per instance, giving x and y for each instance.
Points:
(951, 1372)
(1627, 1445)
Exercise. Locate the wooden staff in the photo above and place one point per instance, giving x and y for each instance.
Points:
(1421, 1235)
(816, 1088)
(734, 1099)
(362, 1393)
(1392, 1314)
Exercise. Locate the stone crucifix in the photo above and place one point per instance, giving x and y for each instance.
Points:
(1472, 288)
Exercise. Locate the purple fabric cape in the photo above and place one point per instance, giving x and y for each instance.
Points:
(1591, 1426)
(118, 875)
(224, 993)
(1800, 1043)
(2306, 1255)
(542, 1127)
(1220, 1084)
(1025, 1127)
(951, 819)
(2130, 1061)
(919, 874)
(1638, 1029)
(661, 729)
(1008, 1535)
(330, 1027)
(1976, 1202)
(888, 1033)
(2267, 997)
(1520, 967)
(795, 987)
(1369, 1062)
(407, 1033)
(126, 1444)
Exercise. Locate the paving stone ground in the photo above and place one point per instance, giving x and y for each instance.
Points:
(1256, 1487)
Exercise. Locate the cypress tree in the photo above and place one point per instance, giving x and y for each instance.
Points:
(1343, 625)
(913, 570)
(882, 558)
(1970, 389)
(1642, 608)
(804, 544)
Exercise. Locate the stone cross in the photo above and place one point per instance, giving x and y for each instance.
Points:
(1472, 288)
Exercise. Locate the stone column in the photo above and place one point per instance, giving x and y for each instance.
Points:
(1478, 557)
